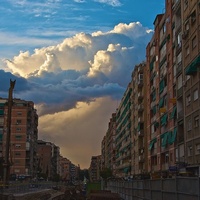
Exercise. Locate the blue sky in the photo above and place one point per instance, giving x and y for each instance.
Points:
(74, 59)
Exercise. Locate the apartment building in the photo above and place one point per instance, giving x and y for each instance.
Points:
(94, 170)
(103, 153)
(44, 155)
(110, 144)
(162, 53)
(123, 139)
(138, 110)
(64, 169)
(55, 160)
(23, 140)
(190, 12)
(170, 119)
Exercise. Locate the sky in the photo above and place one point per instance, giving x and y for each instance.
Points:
(73, 59)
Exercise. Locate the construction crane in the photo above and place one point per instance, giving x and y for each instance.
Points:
(7, 149)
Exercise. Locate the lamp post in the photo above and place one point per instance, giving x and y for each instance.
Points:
(7, 149)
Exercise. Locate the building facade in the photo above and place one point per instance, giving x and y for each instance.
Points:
(165, 121)
(23, 139)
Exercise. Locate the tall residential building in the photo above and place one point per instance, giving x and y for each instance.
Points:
(55, 160)
(162, 52)
(23, 140)
(64, 169)
(94, 170)
(191, 82)
(109, 155)
(44, 154)
(123, 137)
(138, 114)
(103, 153)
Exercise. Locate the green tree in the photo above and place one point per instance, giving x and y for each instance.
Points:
(106, 173)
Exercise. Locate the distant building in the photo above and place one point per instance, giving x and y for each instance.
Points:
(108, 146)
(94, 170)
(44, 155)
(24, 134)
(65, 169)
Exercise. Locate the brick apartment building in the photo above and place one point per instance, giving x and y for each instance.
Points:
(168, 127)
(44, 156)
(24, 134)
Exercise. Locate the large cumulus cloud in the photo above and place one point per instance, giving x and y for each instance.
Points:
(77, 84)
(81, 68)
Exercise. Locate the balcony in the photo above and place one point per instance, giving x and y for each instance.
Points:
(180, 115)
(140, 120)
(140, 82)
(180, 92)
(140, 95)
(141, 133)
(179, 68)
(140, 69)
(140, 108)
(141, 158)
(177, 5)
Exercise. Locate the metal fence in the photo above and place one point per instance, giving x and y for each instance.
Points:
(179, 188)
(21, 187)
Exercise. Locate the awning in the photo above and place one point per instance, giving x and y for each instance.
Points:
(164, 138)
(152, 143)
(126, 170)
(173, 113)
(1, 112)
(156, 124)
(163, 120)
(172, 136)
(154, 110)
(192, 68)
(154, 95)
(140, 126)
(161, 102)
(162, 85)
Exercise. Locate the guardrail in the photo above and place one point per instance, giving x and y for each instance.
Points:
(160, 189)
(16, 187)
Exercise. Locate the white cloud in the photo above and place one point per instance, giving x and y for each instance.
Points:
(77, 83)
(114, 3)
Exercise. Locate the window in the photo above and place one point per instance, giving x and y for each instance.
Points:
(18, 137)
(18, 145)
(180, 82)
(194, 42)
(189, 125)
(19, 113)
(179, 37)
(196, 95)
(17, 153)
(187, 51)
(18, 129)
(196, 122)
(193, 17)
(197, 149)
(19, 121)
(185, 4)
(179, 58)
(189, 151)
(188, 100)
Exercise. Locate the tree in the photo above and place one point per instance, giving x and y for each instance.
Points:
(106, 173)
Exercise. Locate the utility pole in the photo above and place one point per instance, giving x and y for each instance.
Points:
(7, 149)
